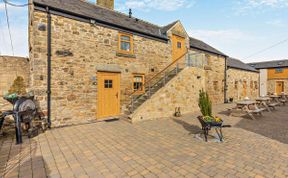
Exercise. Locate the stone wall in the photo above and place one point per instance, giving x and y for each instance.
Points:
(235, 79)
(11, 67)
(177, 93)
(214, 66)
(78, 50)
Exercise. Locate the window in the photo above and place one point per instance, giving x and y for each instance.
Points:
(236, 85)
(251, 84)
(256, 85)
(215, 85)
(279, 70)
(125, 43)
(179, 45)
(138, 83)
(108, 84)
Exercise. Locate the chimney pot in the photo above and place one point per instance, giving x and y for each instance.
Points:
(130, 13)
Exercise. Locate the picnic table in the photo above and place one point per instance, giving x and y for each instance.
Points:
(264, 102)
(248, 107)
(275, 100)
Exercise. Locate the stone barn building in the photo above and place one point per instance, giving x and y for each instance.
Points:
(89, 61)
(242, 80)
(273, 76)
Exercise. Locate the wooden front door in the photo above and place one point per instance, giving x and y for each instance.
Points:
(108, 94)
(178, 47)
(244, 89)
(279, 87)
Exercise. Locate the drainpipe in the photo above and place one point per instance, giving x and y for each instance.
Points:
(225, 82)
(48, 67)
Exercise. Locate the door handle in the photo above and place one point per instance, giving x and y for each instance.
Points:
(117, 94)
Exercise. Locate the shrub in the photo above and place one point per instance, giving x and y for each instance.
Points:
(18, 87)
(204, 103)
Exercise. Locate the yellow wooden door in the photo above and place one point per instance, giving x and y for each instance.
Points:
(178, 47)
(108, 94)
(244, 89)
(279, 87)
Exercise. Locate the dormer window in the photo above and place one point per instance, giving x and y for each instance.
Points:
(125, 43)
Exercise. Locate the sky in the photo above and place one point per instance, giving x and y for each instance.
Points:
(243, 29)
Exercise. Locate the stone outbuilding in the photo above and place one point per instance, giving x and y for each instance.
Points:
(102, 63)
(242, 80)
(273, 76)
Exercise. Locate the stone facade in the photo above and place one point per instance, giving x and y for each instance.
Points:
(214, 66)
(271, 85)
(11, 67)
(202, 71)
(182, 91)
(88, 47)
(81, 49)
(235, 82)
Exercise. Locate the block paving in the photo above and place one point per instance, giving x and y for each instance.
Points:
(159, 148)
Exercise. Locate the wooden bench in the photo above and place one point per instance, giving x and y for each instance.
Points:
(273, 105)
(283, 101)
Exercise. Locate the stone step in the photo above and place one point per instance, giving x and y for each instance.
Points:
(160, 84)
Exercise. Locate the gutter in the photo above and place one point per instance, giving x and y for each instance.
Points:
(48, 66)
(214, 53)
(87, 19)
(225, 82)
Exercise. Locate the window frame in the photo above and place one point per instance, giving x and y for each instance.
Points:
(109, 84)
(179, 45)
(143, 83)
(236, 83)
(216, 85)
(256, 85)
(120, 34)
(279, 70)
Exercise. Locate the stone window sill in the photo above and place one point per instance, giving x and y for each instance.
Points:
(125, 55)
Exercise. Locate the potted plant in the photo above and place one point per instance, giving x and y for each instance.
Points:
(205, 106)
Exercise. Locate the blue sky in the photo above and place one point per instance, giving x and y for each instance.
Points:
(238, 28)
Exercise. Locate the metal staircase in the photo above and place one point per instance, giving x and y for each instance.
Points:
(156, 82)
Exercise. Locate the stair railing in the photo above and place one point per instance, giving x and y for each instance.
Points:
(147, 86)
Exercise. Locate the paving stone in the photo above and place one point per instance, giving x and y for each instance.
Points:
(159, 148)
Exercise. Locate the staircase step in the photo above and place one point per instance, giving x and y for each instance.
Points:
(138, 101)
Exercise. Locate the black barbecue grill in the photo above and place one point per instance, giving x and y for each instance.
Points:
(25, 112)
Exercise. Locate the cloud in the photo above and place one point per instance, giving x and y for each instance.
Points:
(19, 32)
(269, 3)
(277, 23)
(228, 35)
(164, 5)
(246, 7)
(19, 39)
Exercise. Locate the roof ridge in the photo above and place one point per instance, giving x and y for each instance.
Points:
(170, 23)
(268, 61)
(122, 13)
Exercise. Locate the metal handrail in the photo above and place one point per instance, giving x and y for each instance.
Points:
(148, 85)
(158, 74)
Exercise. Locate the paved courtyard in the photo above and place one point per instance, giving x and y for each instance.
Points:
(159, 148)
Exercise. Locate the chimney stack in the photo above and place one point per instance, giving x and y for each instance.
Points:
(106, 3)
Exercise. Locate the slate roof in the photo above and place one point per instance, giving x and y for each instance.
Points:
(167, 27)
(270, 64)
(237, 64)
(102, 15)
(200, 45)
